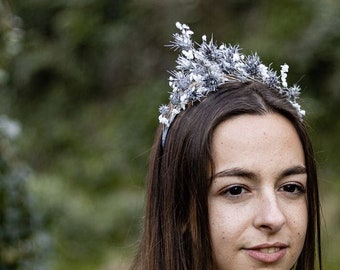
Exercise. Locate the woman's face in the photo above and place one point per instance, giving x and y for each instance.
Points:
(257, 199)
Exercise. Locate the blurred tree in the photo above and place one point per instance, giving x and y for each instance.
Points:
(23, 242)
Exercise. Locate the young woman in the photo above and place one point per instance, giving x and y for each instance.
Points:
(232, 182)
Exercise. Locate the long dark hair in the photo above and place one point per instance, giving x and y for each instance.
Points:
(176, 231)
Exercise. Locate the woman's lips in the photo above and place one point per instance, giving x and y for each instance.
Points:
(267, 253)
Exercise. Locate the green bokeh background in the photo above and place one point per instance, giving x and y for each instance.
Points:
(84, 78)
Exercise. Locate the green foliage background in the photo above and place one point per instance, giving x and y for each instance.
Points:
(86, 84)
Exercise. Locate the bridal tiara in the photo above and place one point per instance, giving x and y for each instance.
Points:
(200, 71)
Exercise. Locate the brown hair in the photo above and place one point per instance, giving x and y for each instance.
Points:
(176, 231)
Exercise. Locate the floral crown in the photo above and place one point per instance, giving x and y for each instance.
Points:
(200, 71)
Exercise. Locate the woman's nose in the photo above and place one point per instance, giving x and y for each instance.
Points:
(269, 216)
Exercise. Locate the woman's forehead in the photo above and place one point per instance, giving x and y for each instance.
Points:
(255, 142)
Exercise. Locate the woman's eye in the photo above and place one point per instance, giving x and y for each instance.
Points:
(293, 188)
(235, 191)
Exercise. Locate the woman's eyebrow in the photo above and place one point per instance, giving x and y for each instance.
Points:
(235, 172)
(293, 171)
(243, 173)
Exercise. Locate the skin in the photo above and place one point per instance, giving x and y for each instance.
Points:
(257, 199)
